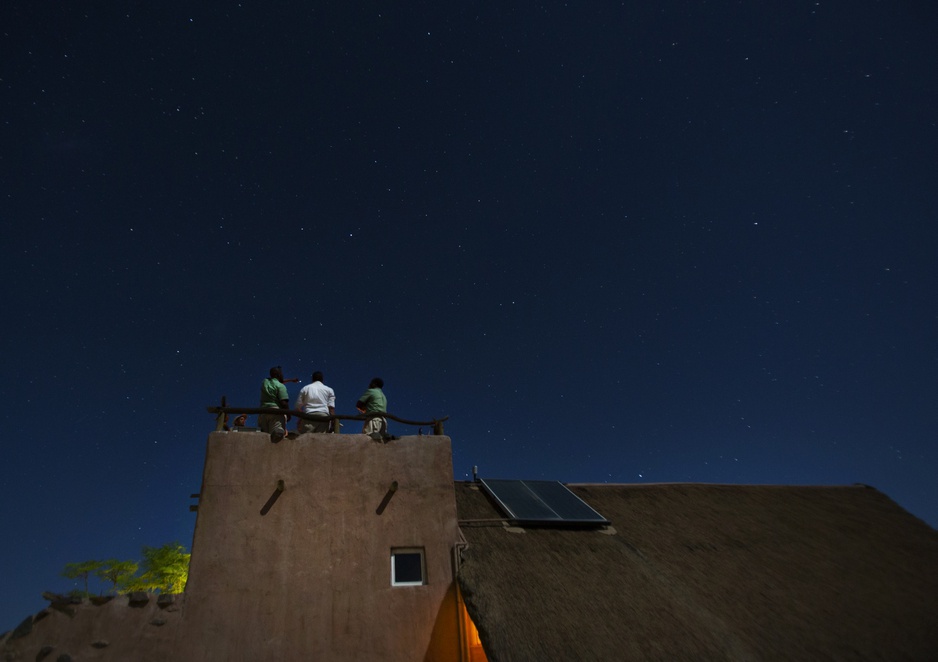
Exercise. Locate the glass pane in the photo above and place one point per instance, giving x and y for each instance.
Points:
(408, 568)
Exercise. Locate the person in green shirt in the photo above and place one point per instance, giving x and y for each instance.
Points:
(274, 395)
(373, 400)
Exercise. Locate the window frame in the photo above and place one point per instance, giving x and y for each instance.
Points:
(419, 551)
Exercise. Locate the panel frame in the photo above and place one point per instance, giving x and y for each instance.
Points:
(541, 502)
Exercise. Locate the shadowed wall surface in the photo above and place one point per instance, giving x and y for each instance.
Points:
(306, 571)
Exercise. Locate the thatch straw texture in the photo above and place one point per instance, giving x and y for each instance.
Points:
(706, 572)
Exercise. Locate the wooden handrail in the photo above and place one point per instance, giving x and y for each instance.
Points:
(221, 412)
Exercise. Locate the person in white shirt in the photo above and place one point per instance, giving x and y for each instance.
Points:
(315, 398)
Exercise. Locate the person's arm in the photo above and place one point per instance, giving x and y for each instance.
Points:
(363, 402)
(284, 398)
(300, 403)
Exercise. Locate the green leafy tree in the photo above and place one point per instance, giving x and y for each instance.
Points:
(119, 573)
(81, 571)
(165, 569)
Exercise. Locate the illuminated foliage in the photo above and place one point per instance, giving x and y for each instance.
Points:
(121, 574)
(163, 570)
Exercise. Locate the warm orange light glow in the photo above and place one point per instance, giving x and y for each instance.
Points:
(472, 632)
(472, 645)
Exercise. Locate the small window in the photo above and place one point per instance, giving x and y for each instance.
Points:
(408, 567)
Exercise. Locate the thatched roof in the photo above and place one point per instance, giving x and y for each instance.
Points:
(697, 572)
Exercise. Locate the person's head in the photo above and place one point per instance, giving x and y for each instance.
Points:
(241, 420)
(276, 373)
(377, 382)
(317, 376)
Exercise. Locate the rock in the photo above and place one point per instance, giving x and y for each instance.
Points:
(138, 599)
(61, 602)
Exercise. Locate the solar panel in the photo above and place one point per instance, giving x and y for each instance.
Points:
(541, 501)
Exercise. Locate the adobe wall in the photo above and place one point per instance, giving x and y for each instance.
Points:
(128, 627)
(305, 573)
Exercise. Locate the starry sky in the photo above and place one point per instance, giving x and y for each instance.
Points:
(613, 242)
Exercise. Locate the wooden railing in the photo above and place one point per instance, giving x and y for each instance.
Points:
(222, 412)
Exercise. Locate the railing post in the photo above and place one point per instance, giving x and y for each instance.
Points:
(220, 418)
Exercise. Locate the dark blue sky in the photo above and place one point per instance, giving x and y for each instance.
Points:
(633, 242)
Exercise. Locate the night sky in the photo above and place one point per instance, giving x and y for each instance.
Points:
(614, 242)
